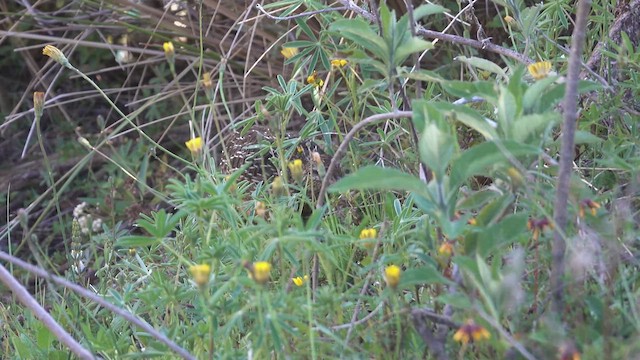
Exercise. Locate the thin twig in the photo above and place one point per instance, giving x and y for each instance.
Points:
(361, 321)
(447, 37)
(297, 16)
(363, 291)
(566, 157)
(28, 301)
(342, 149)
(505, 335)
(100, 301)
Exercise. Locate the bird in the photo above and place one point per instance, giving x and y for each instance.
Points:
(258, 146)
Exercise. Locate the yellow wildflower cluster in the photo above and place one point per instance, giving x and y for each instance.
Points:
(314, 80)
(339, 63)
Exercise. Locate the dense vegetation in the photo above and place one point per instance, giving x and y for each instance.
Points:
(451, 180)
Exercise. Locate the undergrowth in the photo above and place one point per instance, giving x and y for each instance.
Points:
(414, 209)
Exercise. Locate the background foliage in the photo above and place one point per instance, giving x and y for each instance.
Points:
(447, 147)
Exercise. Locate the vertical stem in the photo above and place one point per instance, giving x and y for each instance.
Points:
(566, 157)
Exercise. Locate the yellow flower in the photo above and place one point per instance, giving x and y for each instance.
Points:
(169, 50)
(367, 235)
(194, 145)
(539, 70)
(260, 208)
(446, 249)
(277, 187)
(314, 79)
(38, 103)
(200, 274)
(370, 233)
(470, 331)
(299, 281)
(57, 55)
(392, 275)
(295, 167)
(509, 20)
(472, 221)
(259, 271)
(289, 52)
(339, 63)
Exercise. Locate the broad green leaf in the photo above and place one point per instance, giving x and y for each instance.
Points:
(477, 159)
(493, 211)
(424, 275)
(378, 178)
(482, 64)
(134, 241)
(411, 46)
(426, 10)
(361, 33)
(422, 75)
(506, 112)
(506, 232)
(477, 199)
(436, 148)
(532, 96)
(469, 117)
(529, 125)
(585, 137)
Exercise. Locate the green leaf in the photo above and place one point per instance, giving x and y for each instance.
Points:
(531, 101)
(411, 46)
(421, 75)
(469, 117)
(378, 178)
(507, 231)
(477, 159)
(529, 125)
(506, 112)
(585, 137)
(424, 275)
(436, 148)
(426, 10)
(134, 241)
(482, 64)
(360, 32)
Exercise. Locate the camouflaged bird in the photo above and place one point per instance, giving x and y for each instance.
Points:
(257, 146)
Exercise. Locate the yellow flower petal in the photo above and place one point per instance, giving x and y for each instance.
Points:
(289, 52)
(392, 275)
(194, 145)
(539, 70)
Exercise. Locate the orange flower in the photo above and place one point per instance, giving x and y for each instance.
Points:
(470, 332)
(593, 206)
